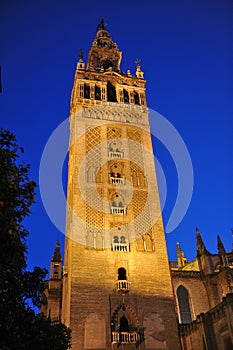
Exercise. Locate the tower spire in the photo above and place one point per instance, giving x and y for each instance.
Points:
(81, 54)
(222, 252)
(181, 259)
(104, 53)
(52, 307)
(201, 249)
(81, 64)
(57, 253)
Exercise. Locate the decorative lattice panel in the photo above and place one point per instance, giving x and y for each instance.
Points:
(142, 217)
(135, 147)
(93, 138)
(139, 201)
(94, 209)
(93, 154)
(113, 133)
(134, 135)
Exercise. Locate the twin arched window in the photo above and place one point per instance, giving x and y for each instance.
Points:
(121, 240)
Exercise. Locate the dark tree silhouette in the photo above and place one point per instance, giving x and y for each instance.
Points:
(20, 290)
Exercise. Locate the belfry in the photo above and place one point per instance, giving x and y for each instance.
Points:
(117, 290)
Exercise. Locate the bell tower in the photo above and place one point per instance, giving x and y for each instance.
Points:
(117, 290)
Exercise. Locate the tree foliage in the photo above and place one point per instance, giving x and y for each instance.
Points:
(20, 326)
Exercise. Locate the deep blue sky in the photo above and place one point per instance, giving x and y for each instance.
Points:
(186, 53)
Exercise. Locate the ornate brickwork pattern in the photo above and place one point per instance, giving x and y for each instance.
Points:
(92, 137)
(94, 208)
(121, 112)
(113, 133)
(135, 147)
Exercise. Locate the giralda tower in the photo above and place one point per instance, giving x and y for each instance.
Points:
(117, 290)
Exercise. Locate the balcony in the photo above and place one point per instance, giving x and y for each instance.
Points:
(125, 337)
(120, 247)
(117, 180)
(115, 155)
(122, 286)
(118, 210)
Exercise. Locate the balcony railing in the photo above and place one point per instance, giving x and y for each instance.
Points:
(122, 286)
(117, 180)
(112, 154)
(120, 247)
(125, 337)
(118, 210)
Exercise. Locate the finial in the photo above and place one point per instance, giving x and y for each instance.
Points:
(199, 239)
(222, 252)
(129, 73)
(221, 248)
(201, 249)
(181, 259)
(80, 64)
(101, 25)
(57, 253)
(81, 54)
(139, 73)
(137, 62)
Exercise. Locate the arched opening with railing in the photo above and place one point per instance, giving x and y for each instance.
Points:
(125, 326)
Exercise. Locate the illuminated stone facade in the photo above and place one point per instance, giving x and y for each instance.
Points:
(117, 290)
(203, 290)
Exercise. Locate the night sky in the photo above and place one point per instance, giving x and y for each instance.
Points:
(186, 52)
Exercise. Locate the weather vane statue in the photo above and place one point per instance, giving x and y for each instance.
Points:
(81, 54)
(137, 62)
(101, 25)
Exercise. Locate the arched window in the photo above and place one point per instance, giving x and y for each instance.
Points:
(55, 269)
(116, 169)
(122, 240)
(122, 274)
(97, 93)
(115, 149)
(117, 205)
(111, 93)
(86, 91)
(91, 174)
(124, 325)
(136, 98)
(126, 96)
(184, 305)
